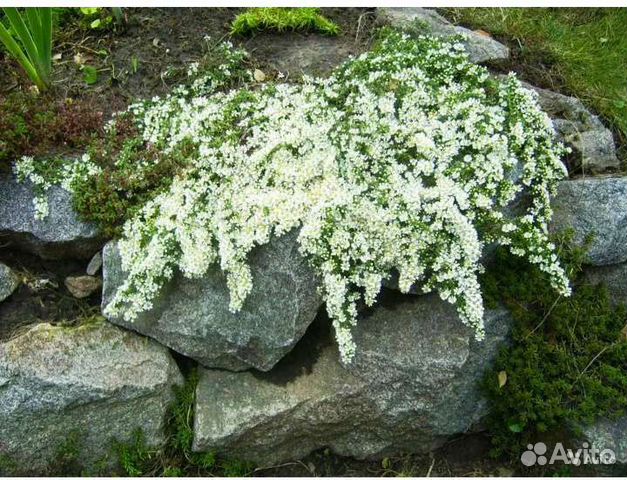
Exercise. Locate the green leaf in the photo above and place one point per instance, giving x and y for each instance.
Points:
(33, 31)
(516, 427)
(88, 11)
(95, 23)
(90, 74)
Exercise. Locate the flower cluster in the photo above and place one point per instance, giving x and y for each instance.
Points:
(408, 158)
(45, 174)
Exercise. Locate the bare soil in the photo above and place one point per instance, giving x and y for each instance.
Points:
(148, 56)
(42, 295)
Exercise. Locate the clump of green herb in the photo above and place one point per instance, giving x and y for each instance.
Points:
(567, 364)
(283, 19)
(114, 195)
(99, 18)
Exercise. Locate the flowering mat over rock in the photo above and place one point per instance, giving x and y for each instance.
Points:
(405, 158)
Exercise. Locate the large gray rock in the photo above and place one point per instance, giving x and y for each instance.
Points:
(8, 281)
(96, 382)
(594, 206)
(413, 384)
(593, 149)
(193, 318)
(60, 235)
(614, 277)
(480, 47)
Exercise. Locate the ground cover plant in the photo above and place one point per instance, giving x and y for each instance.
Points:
(402, 180)
(41, 125)
(566, 366)
(282, 19)
(582, 51)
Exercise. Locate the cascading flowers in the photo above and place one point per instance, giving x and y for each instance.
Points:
(408, 158)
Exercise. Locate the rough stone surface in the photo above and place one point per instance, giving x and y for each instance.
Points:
(193, 318)
(609, 434)
(480, 47)
(598, 206)
(413, 384)
(60, 235)
(8, 282)
(593, 149)
(614, 277)
(295, 55)
(83, 286)
(95, 264)
(97, 382)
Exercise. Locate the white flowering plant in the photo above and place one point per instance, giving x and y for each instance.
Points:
(407, 159)
(53, 171)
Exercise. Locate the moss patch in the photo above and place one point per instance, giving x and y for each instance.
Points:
(567, 363)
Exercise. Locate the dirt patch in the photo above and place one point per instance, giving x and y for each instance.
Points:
(149, 55)
(465, 456)
(42, 295)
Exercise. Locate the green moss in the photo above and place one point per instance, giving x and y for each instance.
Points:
(66, 458)
(282, 19)
(567, 363)
(7, 465)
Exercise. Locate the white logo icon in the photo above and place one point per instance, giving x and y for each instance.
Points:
(534, 454)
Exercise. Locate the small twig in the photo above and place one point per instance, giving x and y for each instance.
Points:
(592, 361)
(261, 469)
(431, 467)
(359, 26)
(544, 318)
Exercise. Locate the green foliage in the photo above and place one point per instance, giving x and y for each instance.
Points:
(32, 124)
(110, 198)
(585, 48)
(7, 464)
(30, 42)
(99, 18)
(176, 458)
(90, 74)
(66, 458)
(135, 455)
(282, 19)
(123, 187)
(567, 361)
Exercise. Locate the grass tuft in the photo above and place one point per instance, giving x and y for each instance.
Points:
(282, 19)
